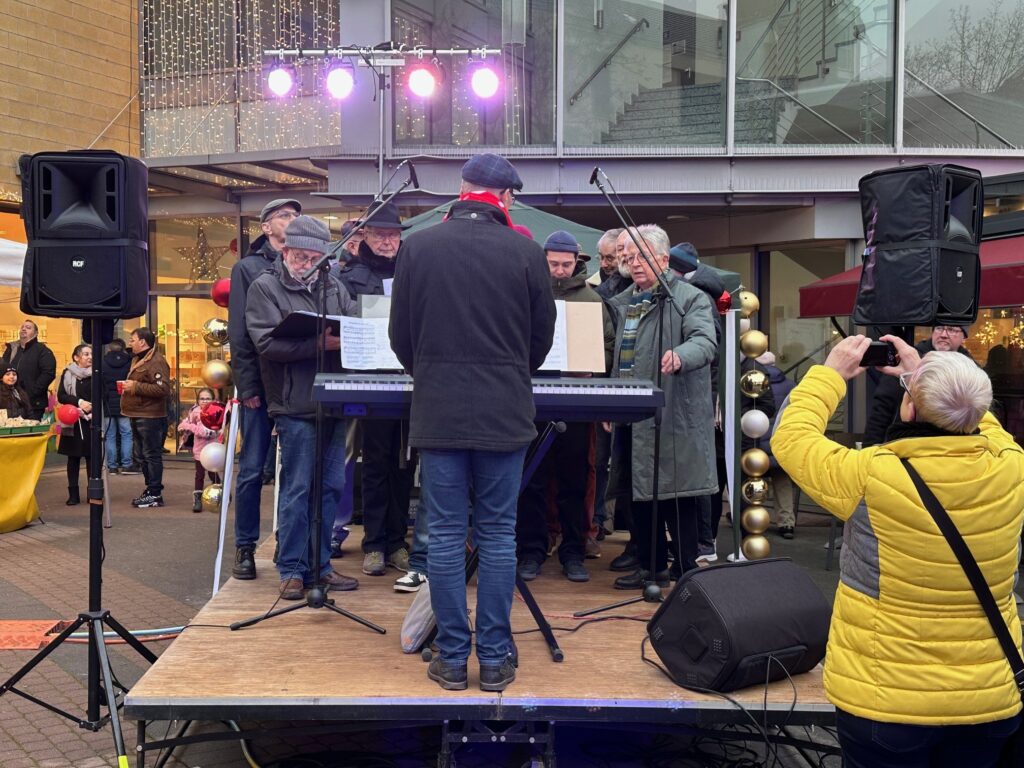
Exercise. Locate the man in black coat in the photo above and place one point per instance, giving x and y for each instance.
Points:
(264, 253)
(35, 364)
(613, 283)
(472, 316)
(117, 428)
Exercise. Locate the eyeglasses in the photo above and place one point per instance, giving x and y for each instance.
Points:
(947, 330)
(298, 259)
(386, 234)
(285, 215)
(905, 381)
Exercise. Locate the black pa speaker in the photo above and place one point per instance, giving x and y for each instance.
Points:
(733, 625)
(922, 227)
(86, 217)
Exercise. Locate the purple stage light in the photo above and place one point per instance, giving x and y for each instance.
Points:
(484, 82)
(340, 82)
(281, 80)
(422, 81)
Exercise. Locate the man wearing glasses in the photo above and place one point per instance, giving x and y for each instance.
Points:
(387, 473)
(288, 367)
(886, 402)
(264, 253)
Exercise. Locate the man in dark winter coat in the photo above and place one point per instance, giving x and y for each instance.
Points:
(885, 405)
(118, 428)
(35, 364)
(245, 367)
(287, 369)
(471, 318)
(387, 473)
(612, 244)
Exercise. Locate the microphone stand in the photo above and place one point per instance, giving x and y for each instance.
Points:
(652, 592)
(316, 596)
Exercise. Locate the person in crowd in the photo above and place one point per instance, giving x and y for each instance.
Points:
(287, 369)
(13, 397)
(35, 364)
(610, 248)
(683, 354)
(607, 258)
(913, 666)
(118, 428)
(568, 458)
(472, 317)
(782, 485)
(199, 435)
(264, 254)
(387, 469)
(350, 249)
(885, 404)
(144, 400)
(75, 388)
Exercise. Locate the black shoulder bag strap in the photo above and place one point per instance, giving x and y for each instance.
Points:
(974, 575)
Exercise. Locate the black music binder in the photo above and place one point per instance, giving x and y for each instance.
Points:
(299, 325)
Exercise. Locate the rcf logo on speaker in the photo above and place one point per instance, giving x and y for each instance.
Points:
(78, 263)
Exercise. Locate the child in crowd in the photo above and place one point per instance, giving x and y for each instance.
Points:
(201, 436)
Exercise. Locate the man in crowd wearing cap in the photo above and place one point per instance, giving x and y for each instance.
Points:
(35, 364)
(568, 459)
(471, 318)
(264, 253)
(885, 405)
(287, 369)
(387, 471)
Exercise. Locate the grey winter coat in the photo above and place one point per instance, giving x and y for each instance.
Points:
(687, 457)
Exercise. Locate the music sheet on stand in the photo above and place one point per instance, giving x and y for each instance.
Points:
(365, 345)
(558, 357)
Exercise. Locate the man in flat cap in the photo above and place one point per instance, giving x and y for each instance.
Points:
(245, 368)
(472, 316)
(287, 369)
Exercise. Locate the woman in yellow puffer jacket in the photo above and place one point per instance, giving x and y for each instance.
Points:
(913, 666)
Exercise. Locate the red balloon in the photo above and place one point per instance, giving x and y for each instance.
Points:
(212, 416)
(724, 302)
(220, 291)
(68, 414)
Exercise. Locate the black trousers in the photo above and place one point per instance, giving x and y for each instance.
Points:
(387, 483)
(74, 468)
(149, 434)
(681, 516)
(567, 462)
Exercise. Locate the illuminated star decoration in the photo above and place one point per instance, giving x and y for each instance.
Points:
(202, 258)
(1015, 339)
(987, 333)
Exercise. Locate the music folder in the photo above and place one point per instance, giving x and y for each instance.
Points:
(299, 325)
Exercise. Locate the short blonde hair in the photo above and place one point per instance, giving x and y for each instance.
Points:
(951, 392)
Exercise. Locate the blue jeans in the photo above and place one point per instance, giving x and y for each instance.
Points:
(872, 744)
(255, 442)
(297, 438)
(420, 535)
(119, 425)
(494, 478)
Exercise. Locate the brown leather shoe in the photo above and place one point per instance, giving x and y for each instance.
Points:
(341, 583)
(291, 589)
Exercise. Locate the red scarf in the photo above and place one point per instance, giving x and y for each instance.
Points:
(484, 197)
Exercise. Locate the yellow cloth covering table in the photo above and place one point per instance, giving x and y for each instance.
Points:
(21, 462)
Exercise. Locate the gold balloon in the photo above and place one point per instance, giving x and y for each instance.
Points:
(216, 374)
(754, 462)
(755, 491)
(756, 520)
(215, 332)
(749, 303)
(756, 547)
(754, 383)
(753, 343)
(212, 496)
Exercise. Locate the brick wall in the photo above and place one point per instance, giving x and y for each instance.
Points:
(69, 67)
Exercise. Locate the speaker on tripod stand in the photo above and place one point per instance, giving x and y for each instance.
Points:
(922, 231)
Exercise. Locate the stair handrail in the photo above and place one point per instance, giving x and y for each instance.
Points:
(607, 59)
(800, 104)
(768, 28)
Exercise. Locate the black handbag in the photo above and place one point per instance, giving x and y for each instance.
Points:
(1013, 753)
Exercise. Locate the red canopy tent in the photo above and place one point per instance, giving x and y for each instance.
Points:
(1002, 282)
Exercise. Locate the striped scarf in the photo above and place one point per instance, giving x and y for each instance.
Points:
(640, 304)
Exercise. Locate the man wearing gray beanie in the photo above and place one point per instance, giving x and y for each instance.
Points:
(288, 367)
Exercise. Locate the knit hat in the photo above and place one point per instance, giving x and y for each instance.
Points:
(274, 205)
(766, 359)
(307, 233)
(683, 258)
(8, 369)
(963, 328)
(491, 171)
(562, 241)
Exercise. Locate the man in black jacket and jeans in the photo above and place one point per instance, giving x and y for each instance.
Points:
(472, 316)
(35, 364)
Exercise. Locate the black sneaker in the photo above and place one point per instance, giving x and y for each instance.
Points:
(245, 563)
(451, 677)
(497, 677)
(134, 469)
(148, 499)
(639, 578)
(575, 571)
(786, 531)
(528, 570)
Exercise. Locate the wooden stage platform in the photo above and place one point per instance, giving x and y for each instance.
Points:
(317, 665)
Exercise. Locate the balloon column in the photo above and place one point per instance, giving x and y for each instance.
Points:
(754, 424)
(215, 374)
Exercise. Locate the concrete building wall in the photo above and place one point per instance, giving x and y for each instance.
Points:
(69, 68)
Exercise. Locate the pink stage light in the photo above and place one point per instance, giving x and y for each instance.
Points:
(484, 82)
(340, 81)
(422, 81)
(281, 80)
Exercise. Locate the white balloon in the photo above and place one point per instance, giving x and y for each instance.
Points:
(754, 424)
(744, 325)
(212, 457)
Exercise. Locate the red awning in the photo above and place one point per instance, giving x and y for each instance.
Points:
(1002, 282)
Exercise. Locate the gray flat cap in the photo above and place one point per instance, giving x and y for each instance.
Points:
(273, 205)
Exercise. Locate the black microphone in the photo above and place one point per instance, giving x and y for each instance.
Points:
(593, 176)
(412, 176)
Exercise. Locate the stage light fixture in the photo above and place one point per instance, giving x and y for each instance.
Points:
(340, 80)
(281, 80)
(423, 78)
(484, 80)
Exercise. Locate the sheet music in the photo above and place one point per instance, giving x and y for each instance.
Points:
(365, 345)
(558, 357)
(388, 282)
